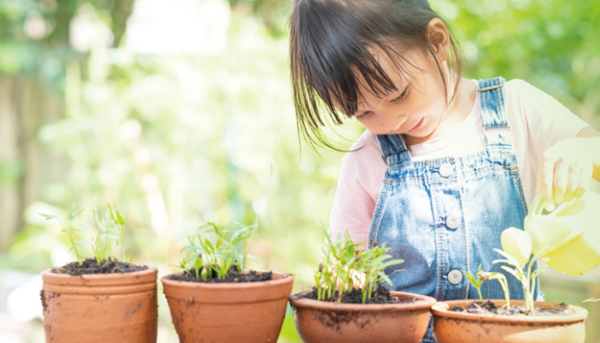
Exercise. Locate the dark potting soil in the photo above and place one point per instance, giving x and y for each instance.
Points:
(233, 275)
(90, 266)
(381, 295)
(489, 308)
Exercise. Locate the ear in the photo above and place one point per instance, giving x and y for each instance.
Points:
(439, 38)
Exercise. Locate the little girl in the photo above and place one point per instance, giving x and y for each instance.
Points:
(446, 163)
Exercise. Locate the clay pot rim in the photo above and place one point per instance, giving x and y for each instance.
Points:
(48, 273)
(285, 278)
(440, 309)
(423, 303)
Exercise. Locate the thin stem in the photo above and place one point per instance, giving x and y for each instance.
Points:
(504, 284)
(122, 229)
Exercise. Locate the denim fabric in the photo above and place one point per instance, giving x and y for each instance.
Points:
(447, 214)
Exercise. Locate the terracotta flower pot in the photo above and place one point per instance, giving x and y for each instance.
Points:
(454, 327)
(100, 307)
(228, 312)
(320, 321)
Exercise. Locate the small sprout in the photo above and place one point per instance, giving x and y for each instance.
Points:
(119, 221)
(341, 262)
(110, 229)
(516, 242)
(205, 271)
(476, 282)
(219, 255)
(503, 283)
(71, 231)
(486, 276)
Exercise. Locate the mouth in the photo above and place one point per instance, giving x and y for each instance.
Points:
(416, 127)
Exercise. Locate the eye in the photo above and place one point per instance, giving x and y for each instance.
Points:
(402, 96)
(363, 115)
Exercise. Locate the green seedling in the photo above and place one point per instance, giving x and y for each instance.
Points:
(204, 256)
(372, 263)
(341, 262)
(111, 228)
(485, 276)
(71, 230)
(120, 223)
(475, 282)
(520, 266)
(108, 231)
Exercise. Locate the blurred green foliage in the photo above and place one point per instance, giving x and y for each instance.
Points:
(178, 140)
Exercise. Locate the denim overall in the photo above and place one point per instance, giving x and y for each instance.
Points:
(445, 216)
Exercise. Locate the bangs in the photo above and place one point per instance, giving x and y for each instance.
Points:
(364, 70)
(336, 49)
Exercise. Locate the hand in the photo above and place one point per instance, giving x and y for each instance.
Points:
(566, 171)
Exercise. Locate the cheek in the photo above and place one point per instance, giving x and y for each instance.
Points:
(427, 102)
(434, 95)
(373, 125)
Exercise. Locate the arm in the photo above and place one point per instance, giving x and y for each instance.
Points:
(568, 167)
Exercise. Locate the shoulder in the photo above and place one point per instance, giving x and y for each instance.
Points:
(521, 91)
(364, 149)
(527, 95)
(519, 85)
(363, 162)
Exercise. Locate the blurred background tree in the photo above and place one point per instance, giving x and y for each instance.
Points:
(181, 111)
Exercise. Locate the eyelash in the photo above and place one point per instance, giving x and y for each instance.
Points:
(401, 97)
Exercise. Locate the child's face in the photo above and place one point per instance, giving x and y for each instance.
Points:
(416, 109)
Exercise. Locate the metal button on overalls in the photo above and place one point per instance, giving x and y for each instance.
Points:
(455, 277)
(453, 221)
(446, 170)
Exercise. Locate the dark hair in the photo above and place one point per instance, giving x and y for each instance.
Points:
(330, 56)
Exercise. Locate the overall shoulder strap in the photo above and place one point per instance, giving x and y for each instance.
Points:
(393, 149)
(493, 111)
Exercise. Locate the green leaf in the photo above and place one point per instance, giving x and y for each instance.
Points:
(535, 273)
(253, 258)
(73, 213)
(475, 282)
(516, 243)
(49, 216)
(512, 271)
(192, 247)
(184, 236)
(83, 242)
(209, 245)
(81, 226)
(91, 224)
(216, 228)
(119, 217)
(111, 212)
(511, 260)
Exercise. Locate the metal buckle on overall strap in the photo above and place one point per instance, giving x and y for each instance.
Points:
(490, 88)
